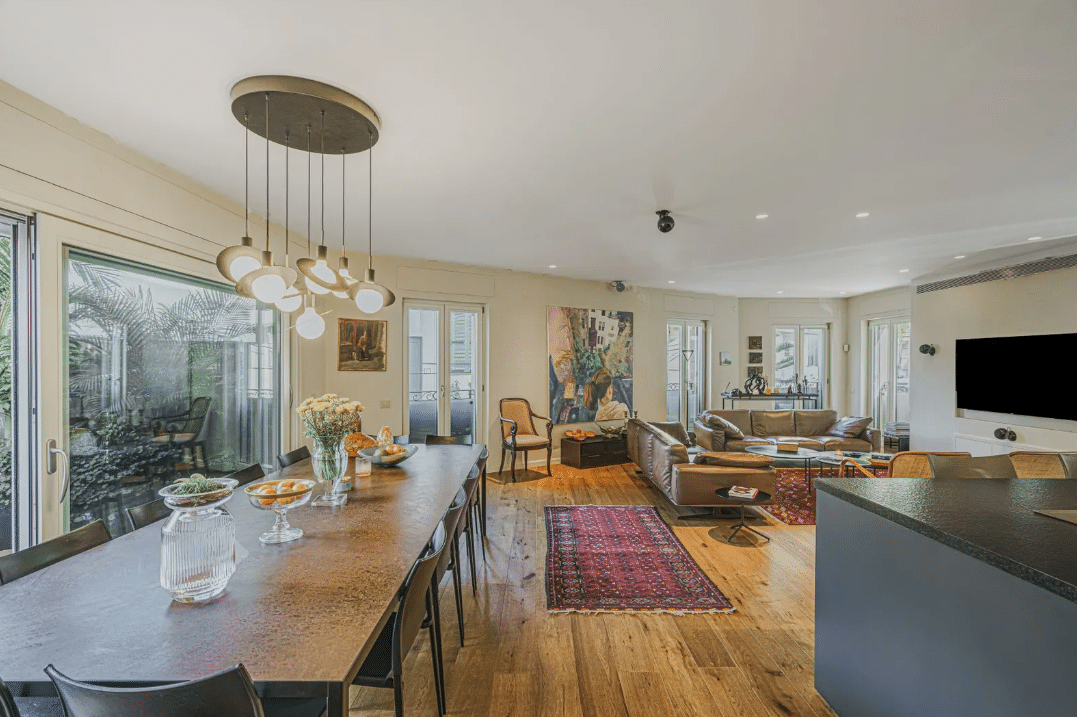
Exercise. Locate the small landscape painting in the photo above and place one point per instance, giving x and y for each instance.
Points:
(361, 345)
(590, 364)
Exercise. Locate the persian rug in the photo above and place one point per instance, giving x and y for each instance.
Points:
(795, 504)
(622, 558)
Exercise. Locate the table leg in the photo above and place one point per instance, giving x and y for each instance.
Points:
(336, 700)
(743, 526)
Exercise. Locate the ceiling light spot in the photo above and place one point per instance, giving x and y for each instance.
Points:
(761, 216)
(781, 292)
(553, 266)
(841, 292)
(903, 271)
(1034, 238)
(861, 215)
(671, 281)
(960, 256)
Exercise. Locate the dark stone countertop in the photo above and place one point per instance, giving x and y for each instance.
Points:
(990, 520)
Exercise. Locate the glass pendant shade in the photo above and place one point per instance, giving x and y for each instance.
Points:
(290, 301)
(268, 282)
(237, 261)
(370, 296)
(309, 325)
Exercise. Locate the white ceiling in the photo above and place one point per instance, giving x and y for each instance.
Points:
(520, 134)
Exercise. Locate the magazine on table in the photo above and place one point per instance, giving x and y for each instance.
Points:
(739, 491)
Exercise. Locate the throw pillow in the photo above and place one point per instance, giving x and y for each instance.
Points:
(849, 427)
(1069, 462)
(718, 423)
(966, 467)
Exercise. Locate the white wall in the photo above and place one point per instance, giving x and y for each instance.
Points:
(758, 317)
(1039, 304)
(861, 310)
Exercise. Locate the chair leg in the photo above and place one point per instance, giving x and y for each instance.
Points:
(502, 466)
(549, 457)
(470, 530)
(479, 537)
(398, 695)
(435, 647)
(514, 464)
(483, 526)
(456, 589)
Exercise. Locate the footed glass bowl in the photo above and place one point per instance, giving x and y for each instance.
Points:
(377, 455)
(280, 496)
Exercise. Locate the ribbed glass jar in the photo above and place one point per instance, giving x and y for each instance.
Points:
(198, 545)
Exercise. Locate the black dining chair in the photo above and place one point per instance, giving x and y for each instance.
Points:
(299, 454)
(450, 561)
(229, 692)
(383, 667)
(17, 706)
(30, 560)
(253, 473)
(142, 515)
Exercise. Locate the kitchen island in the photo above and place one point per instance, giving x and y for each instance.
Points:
(946, 597)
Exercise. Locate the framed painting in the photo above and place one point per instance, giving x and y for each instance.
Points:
(361, 345)
(755, 357)
(590, 364)
(725, 358)
(755, 343)
(755, 370)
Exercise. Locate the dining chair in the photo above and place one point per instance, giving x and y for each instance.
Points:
(383, 666)
(299, 454)
(15, 706)
(229, 692)
(915, 464)
(518, 432)
(42, 555)
(449, 561)
(1036, 464)
(142, 515)
(186, 430)
(250, 473)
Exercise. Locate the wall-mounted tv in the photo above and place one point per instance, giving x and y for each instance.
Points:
(1023, 375)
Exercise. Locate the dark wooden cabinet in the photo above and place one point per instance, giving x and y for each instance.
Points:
(594, 452)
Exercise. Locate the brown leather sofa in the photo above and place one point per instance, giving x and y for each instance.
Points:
(665, 462)
(809, 427)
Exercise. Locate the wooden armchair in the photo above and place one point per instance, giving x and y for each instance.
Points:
(518, 432)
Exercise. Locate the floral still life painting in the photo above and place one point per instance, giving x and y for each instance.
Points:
(590, 364)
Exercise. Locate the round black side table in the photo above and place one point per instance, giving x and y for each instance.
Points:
(761, 497)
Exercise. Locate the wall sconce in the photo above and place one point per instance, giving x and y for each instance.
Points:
(928, 349)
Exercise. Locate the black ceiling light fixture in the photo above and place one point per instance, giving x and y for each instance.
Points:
(665, 221)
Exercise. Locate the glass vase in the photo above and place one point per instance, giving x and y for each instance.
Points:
(330, 462)
(198, 545)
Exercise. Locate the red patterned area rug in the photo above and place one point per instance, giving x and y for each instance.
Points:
(795, 504)
(622, 558)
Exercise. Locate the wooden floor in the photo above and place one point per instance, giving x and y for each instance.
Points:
(517, 659)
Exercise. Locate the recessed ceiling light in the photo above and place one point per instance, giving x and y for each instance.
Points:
(841, 292)
(761, 216)
(861, 215)
(553, 266)
(781, 292)
(1034, 238)
(903, 271)
(960, 256)
(671, 281)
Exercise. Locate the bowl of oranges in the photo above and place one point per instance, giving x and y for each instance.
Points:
(389, 455)
(280, 496)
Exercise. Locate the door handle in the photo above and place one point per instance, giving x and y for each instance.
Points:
(53, 451)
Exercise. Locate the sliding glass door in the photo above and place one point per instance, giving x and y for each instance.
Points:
(444, 370)
(167, 375)
(686, 359)
(17, 495)
(888, 369)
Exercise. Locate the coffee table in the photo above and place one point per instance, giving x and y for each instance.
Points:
(870, 461)
(761, 497)
(807, 455)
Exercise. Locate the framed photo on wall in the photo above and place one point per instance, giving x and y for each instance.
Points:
(361, 345)
(755, 343)
(755, 357)
(755, 370)
(725, 358)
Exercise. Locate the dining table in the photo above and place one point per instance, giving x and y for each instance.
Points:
(300, 616)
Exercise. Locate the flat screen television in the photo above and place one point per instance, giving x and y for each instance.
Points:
(1022, 375)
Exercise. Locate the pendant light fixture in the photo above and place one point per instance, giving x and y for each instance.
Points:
(312, 287)
(269, 282)
(293, 295)
(310, 325)
(317, 271)
(370, 296)
(237, 261)
(342, 262)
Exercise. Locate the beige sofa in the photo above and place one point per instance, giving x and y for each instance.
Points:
(664, 461)
(809, 428)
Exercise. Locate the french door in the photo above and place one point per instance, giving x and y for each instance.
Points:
(800, 357)
(686, 359)
(888, 369)
(444, 370)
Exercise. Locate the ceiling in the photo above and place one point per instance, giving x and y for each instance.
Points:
(520, 135)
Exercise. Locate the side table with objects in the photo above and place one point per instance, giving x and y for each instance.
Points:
(595, 451)
(759, 498)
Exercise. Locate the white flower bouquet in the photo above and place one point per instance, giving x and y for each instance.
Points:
(328, 419)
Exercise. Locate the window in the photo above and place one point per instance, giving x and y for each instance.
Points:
(888, 370)
(167, 375)
(686, 357)
(800, 357)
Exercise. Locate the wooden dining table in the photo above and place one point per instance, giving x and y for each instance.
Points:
(301, 616)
